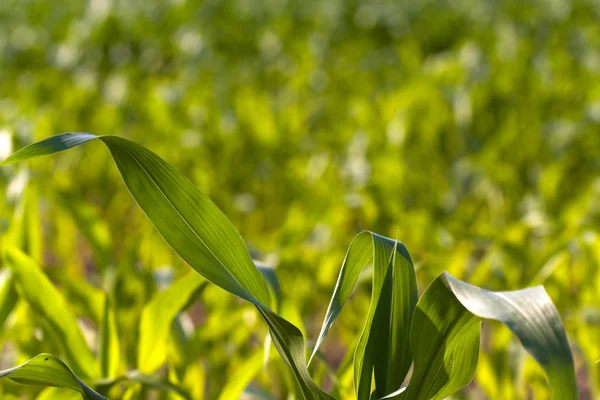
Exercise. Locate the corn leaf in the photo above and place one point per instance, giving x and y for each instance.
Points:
(197, 230)
(445, 336)
(49, 370)
(383, 347)
(445, 345)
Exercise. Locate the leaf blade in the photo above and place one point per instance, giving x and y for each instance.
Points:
(394, 278)
(450, 305)
(197, 230)
(531, 315)
(49, 370)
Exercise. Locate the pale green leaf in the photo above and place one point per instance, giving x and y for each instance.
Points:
(48, 303)
(242, 375)
(8, 297)
(110, 351)
(157, 317)
(53, 393)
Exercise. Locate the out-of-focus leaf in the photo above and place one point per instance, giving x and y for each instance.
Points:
(149, 381)
(49, 370)
(8, 298)
(93, 228)
(53, 393)
(156, 319)
(445, 336)
(383, 346)
(273, 283)
(110, 351)
(197, 230)
(194, 379)
(242, 375)
(25, 230)
(47, 302)
(80, 293)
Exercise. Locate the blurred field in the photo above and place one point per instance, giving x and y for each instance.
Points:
(468, 130)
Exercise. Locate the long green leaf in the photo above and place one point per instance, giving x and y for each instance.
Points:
(383, 347)
(197, 230)
(446, 328)
(48, 303)
(49, 370)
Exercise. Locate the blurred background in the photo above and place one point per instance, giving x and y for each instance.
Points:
(466, 129)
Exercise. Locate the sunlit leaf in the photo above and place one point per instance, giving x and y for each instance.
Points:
(383, 347)
(50, 306)
(197, 230)
(446, 328)
(242, 375)
(149, 381)
(110, 351)
(8, 297)
(156, 319)
(48, 370)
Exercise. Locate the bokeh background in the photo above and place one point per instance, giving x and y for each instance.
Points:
(466, 129)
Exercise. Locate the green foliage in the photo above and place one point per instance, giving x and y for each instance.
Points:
(441, 331)
(468, 130)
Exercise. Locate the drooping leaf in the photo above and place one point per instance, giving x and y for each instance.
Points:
(383, 347)
(197, 230)
(445, 345)
(445, 336)
(49, 370)
(531, 315)
(48, 303)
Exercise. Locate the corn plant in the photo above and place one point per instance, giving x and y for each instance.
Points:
(437, 334)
